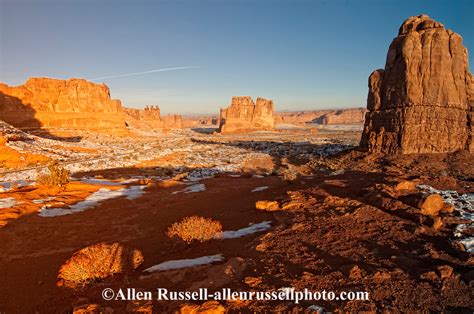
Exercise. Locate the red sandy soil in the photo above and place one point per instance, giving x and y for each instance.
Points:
(72, 193)
(349, 232)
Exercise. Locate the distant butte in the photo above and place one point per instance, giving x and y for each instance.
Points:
(243, 115)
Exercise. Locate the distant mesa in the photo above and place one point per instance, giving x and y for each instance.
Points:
(422, 102)
(45, 103)
(243, 115)
(324, 117)
(150, 119)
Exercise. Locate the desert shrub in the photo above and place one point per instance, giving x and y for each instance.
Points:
(97, 262)
(195, 228)
(57, 177)
(289, 175)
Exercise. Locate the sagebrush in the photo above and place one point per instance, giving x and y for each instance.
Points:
(195, 228)
(57, 176)
(97, 262)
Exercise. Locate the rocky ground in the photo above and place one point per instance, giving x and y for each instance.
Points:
(340, 220)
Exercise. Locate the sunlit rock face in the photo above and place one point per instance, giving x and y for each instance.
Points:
(243, 115)
(422, 102)
(53, 103)
(151, 119)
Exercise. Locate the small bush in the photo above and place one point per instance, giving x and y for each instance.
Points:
(57, 177)
(195, 228)
(97, 262)
(290, 175)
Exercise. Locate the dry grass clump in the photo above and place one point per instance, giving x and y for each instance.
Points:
(289, 175)
(57, 177)
(97, 262)
(195, 228)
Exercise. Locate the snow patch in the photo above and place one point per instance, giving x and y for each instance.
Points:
(92, 200)
(464, 205)
(192, 189)
(315, 308)
(185, 263)
(9, 185)
(100, 181)
(41, 201)
(260, 188)
(7, 202)
(262, 226)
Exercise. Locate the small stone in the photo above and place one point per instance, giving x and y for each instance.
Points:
(267, 205)
(445, 271)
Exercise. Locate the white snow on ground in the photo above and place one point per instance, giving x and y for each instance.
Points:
(100, 181)
(464, 205)
(185, 263)
(7, 202)
(315, 308)
(92, 200)
(260, 188)
(9, 185)
(41, 201)
(192, 189)
(262, 226)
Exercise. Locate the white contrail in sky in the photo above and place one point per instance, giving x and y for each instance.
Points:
(144, 72)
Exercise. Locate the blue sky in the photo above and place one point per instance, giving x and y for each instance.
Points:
(302, 54)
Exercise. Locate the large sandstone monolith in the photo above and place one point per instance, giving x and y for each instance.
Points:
(51, 104)
(422, 102)
(245, 116)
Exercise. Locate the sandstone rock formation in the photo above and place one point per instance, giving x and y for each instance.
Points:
(52, 103)
(422, 102)
(299, 117)
(150, 119)
(173, 121)
(341, 116)
(245, 116)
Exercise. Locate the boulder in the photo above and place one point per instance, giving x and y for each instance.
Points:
(432, 205)
(422, 102)
(267, 205)
(245, 116)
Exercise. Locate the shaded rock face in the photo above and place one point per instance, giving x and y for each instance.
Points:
(150, 119)
(422, 102)
(52, 103)
(245, 116)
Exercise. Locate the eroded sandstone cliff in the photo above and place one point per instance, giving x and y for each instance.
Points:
(243, 115)
(150, 119)
(422, 102)
(52, 103)
(341, 116)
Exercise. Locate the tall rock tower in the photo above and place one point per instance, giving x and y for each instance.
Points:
(422, 102)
